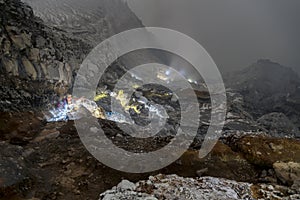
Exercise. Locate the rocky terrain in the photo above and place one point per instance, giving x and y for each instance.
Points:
(93, 21)
(257, 157)
(52, 163)
(34, 51)
(41, 59)
(175, 187)
(270, 87)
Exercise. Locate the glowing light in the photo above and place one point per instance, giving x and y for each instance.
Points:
(168, 72)
(70, 109)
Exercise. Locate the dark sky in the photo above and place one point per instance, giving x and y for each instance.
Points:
(236, 33)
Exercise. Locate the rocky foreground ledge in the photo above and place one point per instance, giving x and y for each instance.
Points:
(175, 187)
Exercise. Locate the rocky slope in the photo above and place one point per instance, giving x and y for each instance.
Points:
(266, 78)
(34, 51)
(40, 60)
(91, 20)
(269, 87)
(94, 21)
(43, 57)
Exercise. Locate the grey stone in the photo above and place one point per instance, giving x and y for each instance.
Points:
(175, 187)
(288, 173)
(126, 185)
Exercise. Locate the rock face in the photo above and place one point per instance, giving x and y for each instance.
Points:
(34, 51)
(91, 20)
(33, 55)
(23, 95)
(238, 120)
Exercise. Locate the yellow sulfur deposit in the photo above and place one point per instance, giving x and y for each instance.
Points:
(100, 96)
(124, 103)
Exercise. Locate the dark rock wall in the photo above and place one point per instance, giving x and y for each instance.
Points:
(32, 50)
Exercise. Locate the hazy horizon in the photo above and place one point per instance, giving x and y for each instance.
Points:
(235, 33)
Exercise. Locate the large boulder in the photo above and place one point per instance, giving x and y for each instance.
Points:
(288, 173)
(264, 151)
(222, 161)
